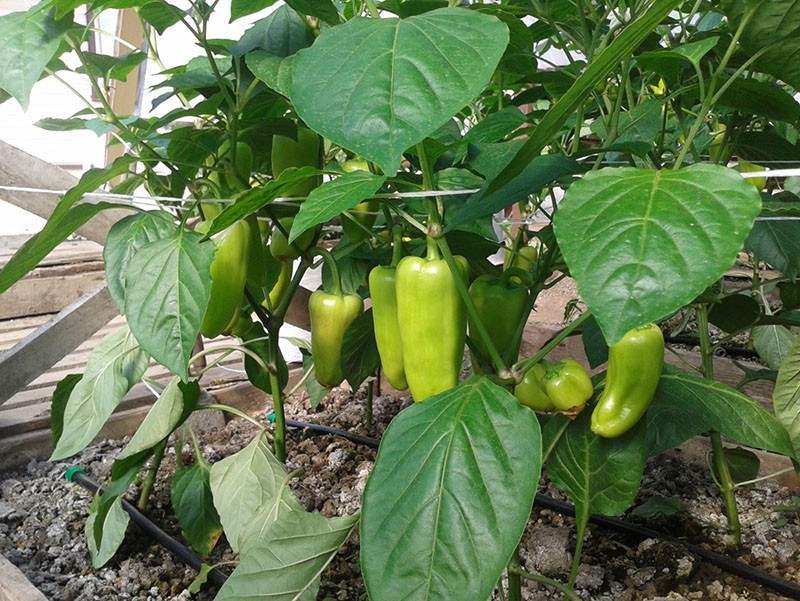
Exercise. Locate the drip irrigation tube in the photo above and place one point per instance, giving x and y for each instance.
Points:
(78, 476)
(730, 565)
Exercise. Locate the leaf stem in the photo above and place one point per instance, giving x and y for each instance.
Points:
(562, 588)
(327, 257)
(150, 480)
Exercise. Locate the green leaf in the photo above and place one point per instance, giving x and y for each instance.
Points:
(743, 464)
(751, 96)
(686, 405)
(126, 237)
(331, 198)
(53, 124)
(655, 506)
(173, 405)
(316, 391)
(189, 147)
(777, 243)
(670, 61)
(773, 343)
(360, 357)
(59, 405)
(538, 173)
(600, 475)
(160, 15)
(273, 70)
(30, 40)
(596, 72)
(786, 397)
(735, 312)
(593, 343)
(773, 32)
(395, 81)
(496, 126)
(641, 243)
(256, 340)
(242, 8)
(105, 66)
(114, 524)
(193, 505)
(251, 490)
(282, 33)
(166, 296)
(641, 124)
(450, 494)
(114, 366)
(322, 9)
(287, 563)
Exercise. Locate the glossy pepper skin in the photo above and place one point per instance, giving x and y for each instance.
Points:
(525, 258)
(305, 151)
(568, 385)
(281, 285)
(529, 391)
(228, 277)
(634, 369)
(330, 314)
(383, 291)
(279, 243)
(433, 322)
(501, 303)
(364, 213)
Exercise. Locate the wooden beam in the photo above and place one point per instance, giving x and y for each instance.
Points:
(46, 345)
(14, 586)
(22, 170)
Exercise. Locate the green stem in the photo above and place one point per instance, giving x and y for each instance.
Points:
(373, 9)
(576, 558)
(521, 367)
(150, 480)
(726, 484)
(397, 245)
(336, 278)
(565, 590)
(514, 577)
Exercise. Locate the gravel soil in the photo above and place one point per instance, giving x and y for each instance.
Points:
(42, 519)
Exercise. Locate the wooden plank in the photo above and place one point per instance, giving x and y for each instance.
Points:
(52, 341)
(14, 585)
(48, 294)
(20, 169)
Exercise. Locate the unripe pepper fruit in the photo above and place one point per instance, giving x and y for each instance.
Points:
(228, 277)
(634, 369)
(500, 302)
(529, 391)
(331, 313)
(433, 322)
(364, 212)
(279, 243)
(305, 151)
(568, 385)
(383, 291)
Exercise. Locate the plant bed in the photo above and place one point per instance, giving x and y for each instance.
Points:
(43, 516)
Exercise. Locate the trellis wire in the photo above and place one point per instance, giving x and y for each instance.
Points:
(141, 200)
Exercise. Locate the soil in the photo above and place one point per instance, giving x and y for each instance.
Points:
(42, 519)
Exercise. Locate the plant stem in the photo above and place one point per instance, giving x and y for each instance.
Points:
(523, 366)
(726, 484)
(514, 577)
(568, 592)
(150, 480)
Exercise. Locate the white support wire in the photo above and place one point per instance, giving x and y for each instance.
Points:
(144, 201)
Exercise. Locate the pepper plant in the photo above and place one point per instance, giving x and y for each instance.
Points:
(411, 125)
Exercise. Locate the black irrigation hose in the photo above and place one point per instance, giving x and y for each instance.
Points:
(78, 476)
(728, 564)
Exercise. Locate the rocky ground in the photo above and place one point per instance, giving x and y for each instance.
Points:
(42, 518)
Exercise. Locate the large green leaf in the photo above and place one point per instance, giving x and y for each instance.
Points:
(59, 404)
(194, 506)
(273, 70)
(114, 523)
(751, 96)
(166, 295)
(596, 72)
(450, 494)
(773, 343)
(251, 490)
(643, 243)
(786, 398)
(778, 243)
(395, 81)
(773, 32)
(29, 41)
(115, 365)
(686, 405)
(173, 405)
(287, 562)
(600, 475)
(640, 124)
(670, 61)
(126, 237)
(281, 33)
(333, 197)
